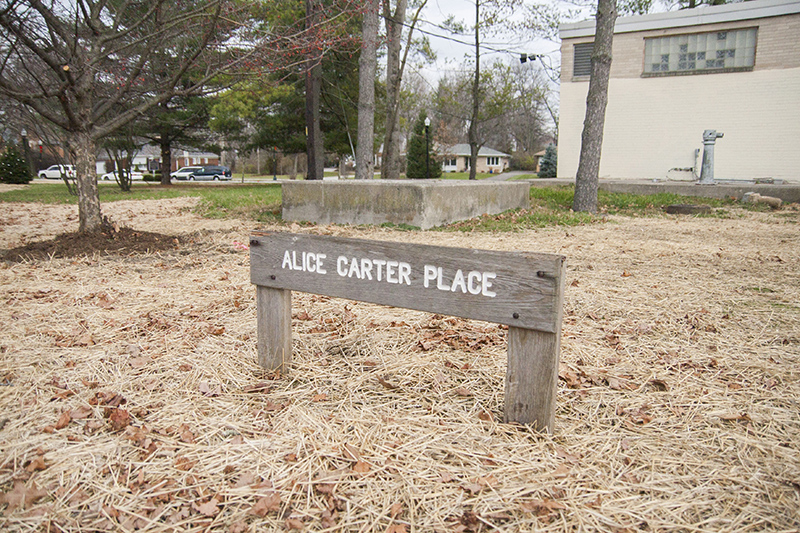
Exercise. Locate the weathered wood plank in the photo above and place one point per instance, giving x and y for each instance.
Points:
(532, 371)
(532, 378)
(274, 328)
(520, 289)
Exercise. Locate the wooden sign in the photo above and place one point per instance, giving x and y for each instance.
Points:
(521, 289)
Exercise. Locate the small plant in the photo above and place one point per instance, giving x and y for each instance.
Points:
(422, 161)
(13, 168)
(548, 164)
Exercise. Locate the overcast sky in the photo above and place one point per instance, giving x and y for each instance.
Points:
(451, 54)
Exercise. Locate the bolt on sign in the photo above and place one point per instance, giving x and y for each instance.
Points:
(523, 290)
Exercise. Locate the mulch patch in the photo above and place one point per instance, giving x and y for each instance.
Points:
(109, 239)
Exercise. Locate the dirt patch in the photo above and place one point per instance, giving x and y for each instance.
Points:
(109, 239)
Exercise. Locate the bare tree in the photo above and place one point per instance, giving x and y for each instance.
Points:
(395, 67)
(587, 177)
(367, 66)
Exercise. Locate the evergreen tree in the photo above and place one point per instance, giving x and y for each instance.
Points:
(549, 162)
(422, 161)
(13, 168)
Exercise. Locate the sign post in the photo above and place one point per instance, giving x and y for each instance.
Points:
(523, 290)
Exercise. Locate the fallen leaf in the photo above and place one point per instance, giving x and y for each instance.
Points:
(184, 463)
(659, 384)
(269, 503)
(734, 416)
(22, 496)
(386, 384)
(396, 509)
(397, 528)
(319, 397)
(245, 479)
(486, 416)
(461, 391)
(626, 274)
(63, 420)
(81, 413)
(473, 488)
(542, 507)
(205, 390)
(294, 523)
(262, 386)
(209, 508)
(37, 463)
(361, 467)
(186, 434)
(119, 419)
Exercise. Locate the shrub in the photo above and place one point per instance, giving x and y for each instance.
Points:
(548, 164)
(151, 177)
(422, 163)
(13, 168)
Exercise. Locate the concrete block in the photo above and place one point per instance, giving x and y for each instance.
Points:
(424, 204)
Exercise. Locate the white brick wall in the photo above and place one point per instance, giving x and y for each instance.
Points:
(655, 124)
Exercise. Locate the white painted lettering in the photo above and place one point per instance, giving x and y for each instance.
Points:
(458, 282)
(472, 277)
(366, 269)
(341, 266)
(354, 269)
(310, 261)
(287, 260)
(439, 275)
(429, 275)
(487, 284)
(404, 273)
(391, 267)
(379, 263)
(295, 265)
(321, 270)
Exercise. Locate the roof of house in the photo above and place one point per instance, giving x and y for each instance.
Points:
(704, 14)
(463, 149)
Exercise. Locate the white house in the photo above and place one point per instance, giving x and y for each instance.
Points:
(732, 68)
(456, 159)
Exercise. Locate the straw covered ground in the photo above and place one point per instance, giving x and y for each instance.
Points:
(130, 397)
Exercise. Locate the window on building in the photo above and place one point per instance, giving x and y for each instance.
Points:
(582, 59)
(719, 51)
(493, 161)
(450, 162)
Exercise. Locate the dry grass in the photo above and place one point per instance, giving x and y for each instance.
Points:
(678, 408)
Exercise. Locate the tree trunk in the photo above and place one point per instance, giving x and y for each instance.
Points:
(85, 149)
(314, 146)
(367, 65)
(390, 167)
(476, 99)
(166, 160)
(586, 180)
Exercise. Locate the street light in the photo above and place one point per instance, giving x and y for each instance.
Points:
(427, 149)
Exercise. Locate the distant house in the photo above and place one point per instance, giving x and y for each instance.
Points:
(185, 158)
(456, 159)
(148, 158)
(732, 68)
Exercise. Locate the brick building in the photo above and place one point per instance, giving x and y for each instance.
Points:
(733, 68)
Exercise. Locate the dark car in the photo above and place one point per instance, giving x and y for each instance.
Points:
(212, 172)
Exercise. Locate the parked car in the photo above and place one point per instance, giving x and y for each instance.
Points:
(54, 172)
(112, 176)
(183, 173)
(212, 172)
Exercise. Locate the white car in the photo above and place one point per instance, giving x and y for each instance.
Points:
(112, 176)
(185, 173)
(54, 172)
